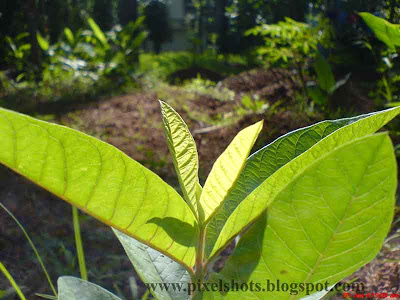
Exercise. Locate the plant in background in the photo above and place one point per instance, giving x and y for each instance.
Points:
(18, 54)
(310, 208)
(326, 85)
(388, 86)
(289, 42)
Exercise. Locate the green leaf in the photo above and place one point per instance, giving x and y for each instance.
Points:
(71, 288)
(318, 96)
(330, 220)
(69, 35)
(226, 170)
(184, 154)
(98, 33)
(155, 268)
(273, 166)
(324, 72)
(100, 180)
(43, 43)
(385, 31)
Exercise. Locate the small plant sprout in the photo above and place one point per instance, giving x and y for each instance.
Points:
(310, 208)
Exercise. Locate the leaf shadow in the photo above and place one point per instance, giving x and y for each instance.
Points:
(181, 232)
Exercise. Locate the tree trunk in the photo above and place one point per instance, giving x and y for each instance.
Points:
(221, 24)
(127, 11)
(33, 18)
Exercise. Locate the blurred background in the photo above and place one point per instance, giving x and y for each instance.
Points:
(100, 66)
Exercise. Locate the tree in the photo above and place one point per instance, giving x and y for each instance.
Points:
(156, 13)
(103, 13)
(127, 11)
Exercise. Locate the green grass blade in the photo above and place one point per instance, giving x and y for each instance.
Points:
(78, 244)
(12, 281)
(32, 246)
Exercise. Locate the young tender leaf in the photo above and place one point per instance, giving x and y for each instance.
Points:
(330, 220)
(325, 76)
(274, 166)
(385, 31)
(154, 268)
(184, 153)
(226, 170)
(100, 180)
(71, 288)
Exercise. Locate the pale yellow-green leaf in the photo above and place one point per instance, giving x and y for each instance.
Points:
(226, 170)
(100, 180)
(184, 153)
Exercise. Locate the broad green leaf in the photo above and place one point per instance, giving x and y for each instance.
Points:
(330, 220)
(98, 33)
(71, 288)
(100, 180)
(271, 168)
(155, 268)
(184, 153)
(324, 73)
(43, 43)
(226, 170)
(385, 31)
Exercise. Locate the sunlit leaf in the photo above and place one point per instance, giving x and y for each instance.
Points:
(226, 170)
(43, 43)
(330, 220)
(273, 167)
(184, 153)
(100, 180)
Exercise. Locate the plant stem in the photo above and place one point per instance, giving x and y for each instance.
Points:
(12, 281)
(32, 246)
(78, 243)
(200, 269)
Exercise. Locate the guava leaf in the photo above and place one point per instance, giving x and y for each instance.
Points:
(385, 31)
(271, 168)
(184, 153)
(330, 220)
(155, 268)
(100, 180)
(71, 288)
(226, 170)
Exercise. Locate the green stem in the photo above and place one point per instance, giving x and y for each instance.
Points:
(12, 281)
(200, 266)
(78, 243)
(33, 248)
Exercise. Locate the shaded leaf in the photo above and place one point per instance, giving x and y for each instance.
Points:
(71, 288)
(385, 31)
(155, 268)
(324, 72)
